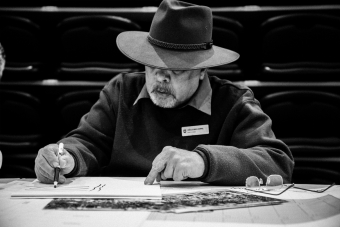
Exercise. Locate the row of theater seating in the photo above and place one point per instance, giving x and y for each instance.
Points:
(28, 123)
(138, 3)
(279, 44)
(307, 118)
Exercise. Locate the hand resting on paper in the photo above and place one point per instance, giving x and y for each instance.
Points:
(47, 159)
(177, 164)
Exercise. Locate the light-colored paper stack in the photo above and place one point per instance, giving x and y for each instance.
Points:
(92, 187)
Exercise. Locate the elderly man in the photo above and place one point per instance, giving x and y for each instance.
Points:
(172, 121)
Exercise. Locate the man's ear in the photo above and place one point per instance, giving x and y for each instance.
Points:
(202, 73)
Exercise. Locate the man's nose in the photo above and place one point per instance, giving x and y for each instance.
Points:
(163, 75)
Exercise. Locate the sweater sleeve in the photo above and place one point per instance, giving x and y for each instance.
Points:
(253, 150)
(91, 142)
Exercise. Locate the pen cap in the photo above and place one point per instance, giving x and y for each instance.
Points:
(61, 148)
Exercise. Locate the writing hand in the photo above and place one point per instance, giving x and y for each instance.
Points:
(177, 164)
(47, 159)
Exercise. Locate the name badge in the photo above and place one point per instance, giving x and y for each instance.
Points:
(195, 130)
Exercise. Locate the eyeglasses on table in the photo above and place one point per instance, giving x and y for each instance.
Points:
(317, 190)
(274, 184)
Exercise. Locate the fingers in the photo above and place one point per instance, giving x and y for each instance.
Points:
(162, 166)
(177, 164)
(62, 162)
(47, 177)
(62, 179)
(48, 154)
(42, 175)
(153, 174)
(157, 166)
(44, 168)
(180, 173)
(66, 162)
(168, 171)
(162, 175)
(158, 178)
(173, 171)
(45, 163)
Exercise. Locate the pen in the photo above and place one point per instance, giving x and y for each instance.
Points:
(56, 176)
(57, 169)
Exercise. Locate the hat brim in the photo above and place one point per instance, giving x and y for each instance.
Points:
(134, 44)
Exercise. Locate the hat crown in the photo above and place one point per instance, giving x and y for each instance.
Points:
(180, 38)
(182, 23)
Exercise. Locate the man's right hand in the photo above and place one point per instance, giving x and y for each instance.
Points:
(47, 159)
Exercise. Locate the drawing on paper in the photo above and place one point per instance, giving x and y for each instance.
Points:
(67, 186)
(172, 203)
(91, 187)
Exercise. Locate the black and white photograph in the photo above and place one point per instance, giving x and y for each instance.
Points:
(171, 113)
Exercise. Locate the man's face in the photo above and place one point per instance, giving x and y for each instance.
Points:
(171, 88)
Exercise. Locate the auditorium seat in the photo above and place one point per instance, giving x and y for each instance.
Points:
(88, 50)
(227, 33)
(16, 171)
(311, 175)
(72, 106)
(301, 47)
(21, 39)
(308, 122)
(21, 129)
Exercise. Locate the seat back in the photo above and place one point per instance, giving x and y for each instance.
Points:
(16, 171)
(21, 39)
(72, 106)
(308, 122)
(88, 49)
(20, 114)
(303, 113)
(227, 33)
(21, 129)
(301, 47)
(311, 175)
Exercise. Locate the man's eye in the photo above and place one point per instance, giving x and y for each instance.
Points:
(177, 72)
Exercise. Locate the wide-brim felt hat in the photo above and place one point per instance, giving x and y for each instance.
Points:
(180, 38)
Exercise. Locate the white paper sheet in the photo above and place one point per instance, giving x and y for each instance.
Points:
(91, 187)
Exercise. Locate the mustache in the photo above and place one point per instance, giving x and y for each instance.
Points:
(162, 88)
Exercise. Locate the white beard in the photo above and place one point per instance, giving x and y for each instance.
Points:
(168, 102)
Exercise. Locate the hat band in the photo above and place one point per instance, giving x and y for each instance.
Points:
(175, 46)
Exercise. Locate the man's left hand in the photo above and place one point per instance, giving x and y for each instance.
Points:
(177, 164)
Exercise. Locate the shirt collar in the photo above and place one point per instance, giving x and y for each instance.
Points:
(201, 99)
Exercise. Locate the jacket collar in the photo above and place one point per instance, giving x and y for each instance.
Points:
(201, 100)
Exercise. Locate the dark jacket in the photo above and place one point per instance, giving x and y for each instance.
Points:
(118, 138)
